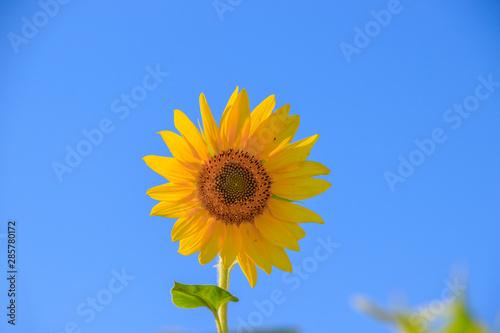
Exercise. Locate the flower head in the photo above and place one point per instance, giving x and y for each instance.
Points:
(231, 187)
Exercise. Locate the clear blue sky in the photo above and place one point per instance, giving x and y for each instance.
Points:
(428, 73)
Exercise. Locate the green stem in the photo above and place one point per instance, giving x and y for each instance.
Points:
(224, 284)
(217, 322)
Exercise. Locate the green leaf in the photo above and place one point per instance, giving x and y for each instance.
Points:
(287, 200)
(462, 321)
(194, 296)
(458, 319)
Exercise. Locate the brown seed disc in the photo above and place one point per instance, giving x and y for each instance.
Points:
(234, 187)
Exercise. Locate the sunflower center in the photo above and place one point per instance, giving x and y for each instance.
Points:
(235, 183)
(234, 187)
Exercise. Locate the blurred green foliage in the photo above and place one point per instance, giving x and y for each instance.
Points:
(454, 319)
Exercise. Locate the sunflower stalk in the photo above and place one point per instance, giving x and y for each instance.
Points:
(224, 274)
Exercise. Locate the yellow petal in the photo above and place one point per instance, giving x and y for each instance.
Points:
(283, 137)
(174, 209)
(255, 247)
(303, 169)
(236, 119)
(223, 127)
(231, 244)
(210, 242)
(290, 212)
(296, 230)
(186, 226)
(209, 125)
(299, 188)
(296, 152)
(189, 131)
(181, 150)
(172, 192)
(231, 100)
(279, 258)
(244, 117)
(276, 232)
(286, 135)
(248, 268)
(191, 244)
(170, 168)
(261, 112)
(242, 139)
(264, 136)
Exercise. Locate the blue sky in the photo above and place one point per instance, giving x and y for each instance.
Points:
(405, 95)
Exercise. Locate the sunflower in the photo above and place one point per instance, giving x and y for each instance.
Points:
(232, 187)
